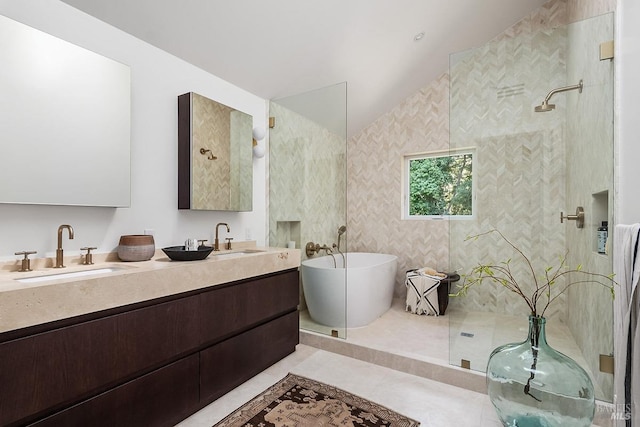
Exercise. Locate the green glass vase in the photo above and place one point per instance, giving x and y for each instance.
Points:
(531, 384)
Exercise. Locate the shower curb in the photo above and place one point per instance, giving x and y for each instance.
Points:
(447, 374)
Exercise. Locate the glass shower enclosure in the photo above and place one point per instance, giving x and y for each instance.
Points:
(531, 166)
(308, 187)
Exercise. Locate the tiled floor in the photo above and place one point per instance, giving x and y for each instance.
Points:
(490, 330)
(449, 338)
(432, 403)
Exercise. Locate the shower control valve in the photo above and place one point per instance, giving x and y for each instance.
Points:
(313, 248)
(578, 217)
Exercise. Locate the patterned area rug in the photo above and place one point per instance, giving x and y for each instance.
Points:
(301, 402)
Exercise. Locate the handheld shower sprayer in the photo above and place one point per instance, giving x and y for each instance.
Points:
(341, 231)
(545, 106)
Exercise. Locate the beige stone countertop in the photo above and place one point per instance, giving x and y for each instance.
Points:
(29, 304)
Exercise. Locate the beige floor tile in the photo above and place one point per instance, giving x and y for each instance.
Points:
(431, 403)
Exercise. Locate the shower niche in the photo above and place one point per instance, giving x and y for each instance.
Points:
(600, 212)
(288, 234)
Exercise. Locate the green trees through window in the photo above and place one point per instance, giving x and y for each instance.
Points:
(441, 185)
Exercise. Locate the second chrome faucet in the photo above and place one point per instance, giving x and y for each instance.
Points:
(59, 251)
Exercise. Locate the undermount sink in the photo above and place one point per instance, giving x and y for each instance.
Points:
(70, 275)
(237, 253)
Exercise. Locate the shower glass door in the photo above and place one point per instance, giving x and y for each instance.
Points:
(307, 197)
(529, 167)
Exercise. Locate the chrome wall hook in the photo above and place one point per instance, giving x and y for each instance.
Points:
(578, 217)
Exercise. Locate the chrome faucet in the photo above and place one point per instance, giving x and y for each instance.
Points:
(59, 252)
(216, 242)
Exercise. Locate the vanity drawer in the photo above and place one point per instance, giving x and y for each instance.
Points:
(161, 398)
(228, 364)
(44, 372)
(232, 309)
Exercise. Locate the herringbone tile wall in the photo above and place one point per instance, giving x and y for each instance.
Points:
(374, 165)
(307, 186)
(520, 192)
(512, 145)
(520, 160)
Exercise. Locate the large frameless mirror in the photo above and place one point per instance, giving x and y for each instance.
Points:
(64, 122)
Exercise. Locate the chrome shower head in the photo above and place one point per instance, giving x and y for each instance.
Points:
(545, 106)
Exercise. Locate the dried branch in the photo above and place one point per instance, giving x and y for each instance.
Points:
(545, 286)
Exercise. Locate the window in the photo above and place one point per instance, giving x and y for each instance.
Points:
(439, 185)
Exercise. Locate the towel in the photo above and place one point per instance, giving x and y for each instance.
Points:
(422, 295)
(625, 324)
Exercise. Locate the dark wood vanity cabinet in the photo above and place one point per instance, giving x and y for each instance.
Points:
(231, 309)
(162, 397)
(235, 360)
(150, 364)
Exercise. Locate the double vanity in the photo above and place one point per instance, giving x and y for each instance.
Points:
(128, 343)
(145, 343)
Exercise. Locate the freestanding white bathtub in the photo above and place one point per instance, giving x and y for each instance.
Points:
(366, 294)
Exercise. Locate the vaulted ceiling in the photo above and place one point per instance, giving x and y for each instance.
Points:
(278, 48)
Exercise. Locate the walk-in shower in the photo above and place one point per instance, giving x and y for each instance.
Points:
(532, 168)
(545, 106)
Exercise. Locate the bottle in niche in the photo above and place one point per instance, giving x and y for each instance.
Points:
(602, 237)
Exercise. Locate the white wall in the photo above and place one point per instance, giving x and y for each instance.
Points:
(157, 79)
(628, 100)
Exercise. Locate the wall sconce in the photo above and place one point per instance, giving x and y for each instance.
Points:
(258, 148)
